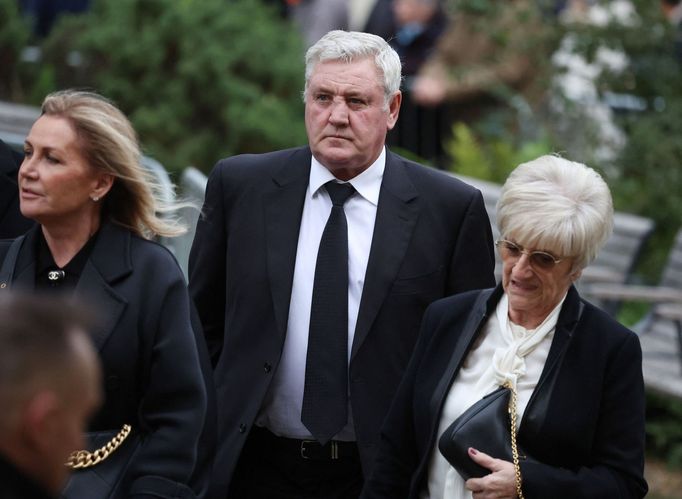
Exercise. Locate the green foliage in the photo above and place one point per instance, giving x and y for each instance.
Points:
(663, 428)
(646, 177)
(199, 79)
(490, 159)
(14, 35)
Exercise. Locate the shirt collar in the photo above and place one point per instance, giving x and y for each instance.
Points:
(367, 184)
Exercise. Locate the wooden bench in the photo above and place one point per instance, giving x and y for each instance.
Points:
(660, 331)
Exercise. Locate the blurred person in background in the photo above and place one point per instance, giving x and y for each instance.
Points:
(83, 182)
(12, 222)
(50, 386)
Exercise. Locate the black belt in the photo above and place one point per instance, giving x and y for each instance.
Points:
(306, 449)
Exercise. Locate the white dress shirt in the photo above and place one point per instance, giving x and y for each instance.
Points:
(281, 412)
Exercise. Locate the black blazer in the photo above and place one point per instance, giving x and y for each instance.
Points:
(584, 421)
(12, 222)
(152, 376)
(431, 239)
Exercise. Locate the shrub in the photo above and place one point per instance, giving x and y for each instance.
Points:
(199, 79)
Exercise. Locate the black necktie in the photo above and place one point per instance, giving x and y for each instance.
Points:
(325, 397)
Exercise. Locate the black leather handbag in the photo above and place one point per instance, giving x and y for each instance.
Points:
(486, 426)
(98, 472)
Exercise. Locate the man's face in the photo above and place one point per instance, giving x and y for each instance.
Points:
(345, 115)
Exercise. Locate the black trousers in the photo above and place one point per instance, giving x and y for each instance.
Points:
(272, 467)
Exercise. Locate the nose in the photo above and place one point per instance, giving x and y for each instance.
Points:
(27, 168)
(522, 265)
(338, 115)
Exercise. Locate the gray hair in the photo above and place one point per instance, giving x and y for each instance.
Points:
(558, 205)
(348, 46)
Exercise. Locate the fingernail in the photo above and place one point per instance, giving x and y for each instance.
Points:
(472, 451)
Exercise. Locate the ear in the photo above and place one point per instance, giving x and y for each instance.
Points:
(394, 109)
(39, 419)
(576, 275)
(103, 185)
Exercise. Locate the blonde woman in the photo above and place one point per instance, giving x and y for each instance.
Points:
(82, 181)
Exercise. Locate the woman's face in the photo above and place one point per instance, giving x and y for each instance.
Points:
(534, 291)
(56, 183)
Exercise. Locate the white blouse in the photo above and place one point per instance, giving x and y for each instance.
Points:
(518, 355)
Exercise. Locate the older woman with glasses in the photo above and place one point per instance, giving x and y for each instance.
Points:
(577, 373)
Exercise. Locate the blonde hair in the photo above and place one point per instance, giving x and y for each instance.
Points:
(558, 205)
(109, 144)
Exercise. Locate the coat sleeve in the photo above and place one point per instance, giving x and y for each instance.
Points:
(207, 271)
(172, 410)
(472, 265)
(616, 470)
(398, 456)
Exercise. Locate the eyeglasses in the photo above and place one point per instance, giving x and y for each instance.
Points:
(538, 259)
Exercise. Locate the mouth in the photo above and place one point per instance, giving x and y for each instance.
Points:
(28, 193)
(520, 286)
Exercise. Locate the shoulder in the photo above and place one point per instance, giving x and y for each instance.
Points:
(450, 310)
(610, 330)
(119, 252)
(432, 180)
(148, 252)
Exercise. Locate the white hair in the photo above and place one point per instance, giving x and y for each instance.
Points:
(557, 205)
(349, 46)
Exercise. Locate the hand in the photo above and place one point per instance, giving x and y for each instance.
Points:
(500, 484)
(428, 91)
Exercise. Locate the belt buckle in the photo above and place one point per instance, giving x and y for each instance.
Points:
(333, 446)
(303, 448)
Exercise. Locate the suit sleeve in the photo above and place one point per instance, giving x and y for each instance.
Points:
(473, 261)
(617, 468)
(207, 272)
(398, 456)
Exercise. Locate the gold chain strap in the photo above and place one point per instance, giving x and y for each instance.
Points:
(515, 449)
(80, 459)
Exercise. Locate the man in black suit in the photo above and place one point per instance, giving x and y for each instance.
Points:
(49, 387)
(12, 223)
(264, 291)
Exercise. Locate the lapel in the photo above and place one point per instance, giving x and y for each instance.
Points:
(568, 320)
(480, 312)
(109, 261)
(283, 207)
(397, 214)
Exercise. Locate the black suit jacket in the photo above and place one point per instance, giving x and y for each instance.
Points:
(151, 371)
(12, 222)
(431, 239)
(584, 421)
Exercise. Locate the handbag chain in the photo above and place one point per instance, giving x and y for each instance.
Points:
(515, 449)
(81, 459)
